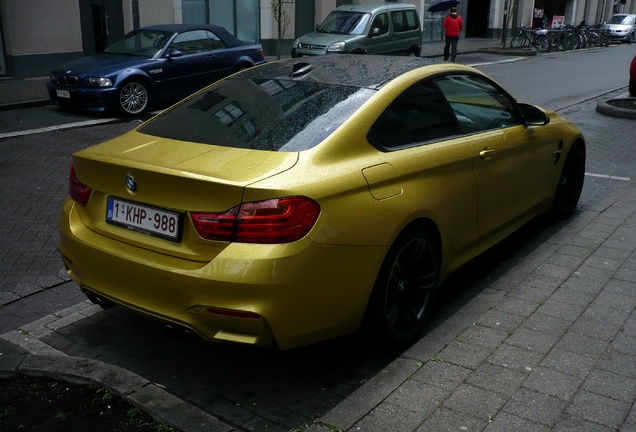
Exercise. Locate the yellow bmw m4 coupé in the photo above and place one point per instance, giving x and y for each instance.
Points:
(300, 200)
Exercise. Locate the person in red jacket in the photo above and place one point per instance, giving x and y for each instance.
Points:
(453, 25)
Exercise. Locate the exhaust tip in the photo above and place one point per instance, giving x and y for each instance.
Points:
(100, 301)
(181, 332)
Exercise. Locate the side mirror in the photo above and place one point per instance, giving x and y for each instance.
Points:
(174, 53)
(374, 32)
(532, 115)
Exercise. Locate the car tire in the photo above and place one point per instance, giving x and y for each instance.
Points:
(570, 184)
(404, 289)
(134, 98)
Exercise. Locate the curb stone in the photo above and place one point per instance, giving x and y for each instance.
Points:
(605, 107)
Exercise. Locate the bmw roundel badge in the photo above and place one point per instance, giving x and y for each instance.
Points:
(130, 183)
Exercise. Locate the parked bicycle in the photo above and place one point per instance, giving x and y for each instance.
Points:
(570, 37)
(536, 39)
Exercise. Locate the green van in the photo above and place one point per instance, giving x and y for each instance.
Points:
(365, 29)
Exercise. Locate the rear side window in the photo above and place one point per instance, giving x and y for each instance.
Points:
(418, 115)
(196, 41)
(404, 21)
(262, 114)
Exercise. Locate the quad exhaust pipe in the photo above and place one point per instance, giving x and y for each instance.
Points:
(179, 332)
(175, 329)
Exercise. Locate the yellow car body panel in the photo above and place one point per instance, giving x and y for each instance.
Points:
(287, 287)
(471, 190)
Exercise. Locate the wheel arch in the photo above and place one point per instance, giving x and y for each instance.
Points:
(570, 182)
(138, 76)
(243, 62)
(414, 48)
(428, 225)
(578, 142)
(374, 323)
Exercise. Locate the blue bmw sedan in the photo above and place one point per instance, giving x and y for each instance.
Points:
(150, 67)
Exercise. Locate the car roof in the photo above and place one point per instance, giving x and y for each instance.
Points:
(379, 7)
(229, 39)
(368, 71)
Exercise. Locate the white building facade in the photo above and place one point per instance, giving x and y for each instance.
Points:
(37, 35)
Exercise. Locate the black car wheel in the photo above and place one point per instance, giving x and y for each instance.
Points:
(403, 292)
(134, 98)
(570, 184)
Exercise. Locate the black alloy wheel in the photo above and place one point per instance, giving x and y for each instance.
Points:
(134, 98)
(403, 292)
(570, 183)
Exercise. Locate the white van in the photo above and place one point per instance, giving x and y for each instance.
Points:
(365, 29)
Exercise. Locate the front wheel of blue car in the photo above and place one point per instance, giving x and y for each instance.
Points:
(134, 98)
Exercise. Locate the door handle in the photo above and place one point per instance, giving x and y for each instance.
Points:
(487, 153)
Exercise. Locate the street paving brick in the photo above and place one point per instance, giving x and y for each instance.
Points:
(535, 406)
(448, 420)
(500, 379)
(599, 409)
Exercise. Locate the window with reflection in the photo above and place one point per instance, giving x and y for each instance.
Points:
(477, 104)
(419, 115)
(239, 17)
(262, 114)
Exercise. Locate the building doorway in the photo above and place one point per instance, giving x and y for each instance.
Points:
(477, 18)
(102, 24)
(552, 8)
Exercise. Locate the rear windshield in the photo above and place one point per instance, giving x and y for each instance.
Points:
(262, 114)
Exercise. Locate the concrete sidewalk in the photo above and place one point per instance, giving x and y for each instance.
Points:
(545, 339)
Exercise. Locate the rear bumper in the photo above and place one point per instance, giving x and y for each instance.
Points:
(289, 295)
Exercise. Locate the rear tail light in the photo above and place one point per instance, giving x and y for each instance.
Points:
(76, 189)
(280, 220)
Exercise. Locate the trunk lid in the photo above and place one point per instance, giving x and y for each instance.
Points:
(173, 176)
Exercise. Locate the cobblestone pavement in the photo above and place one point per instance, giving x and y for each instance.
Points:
(537, 334)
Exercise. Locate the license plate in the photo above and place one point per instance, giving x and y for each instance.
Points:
(63, 94)
(144, 219)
